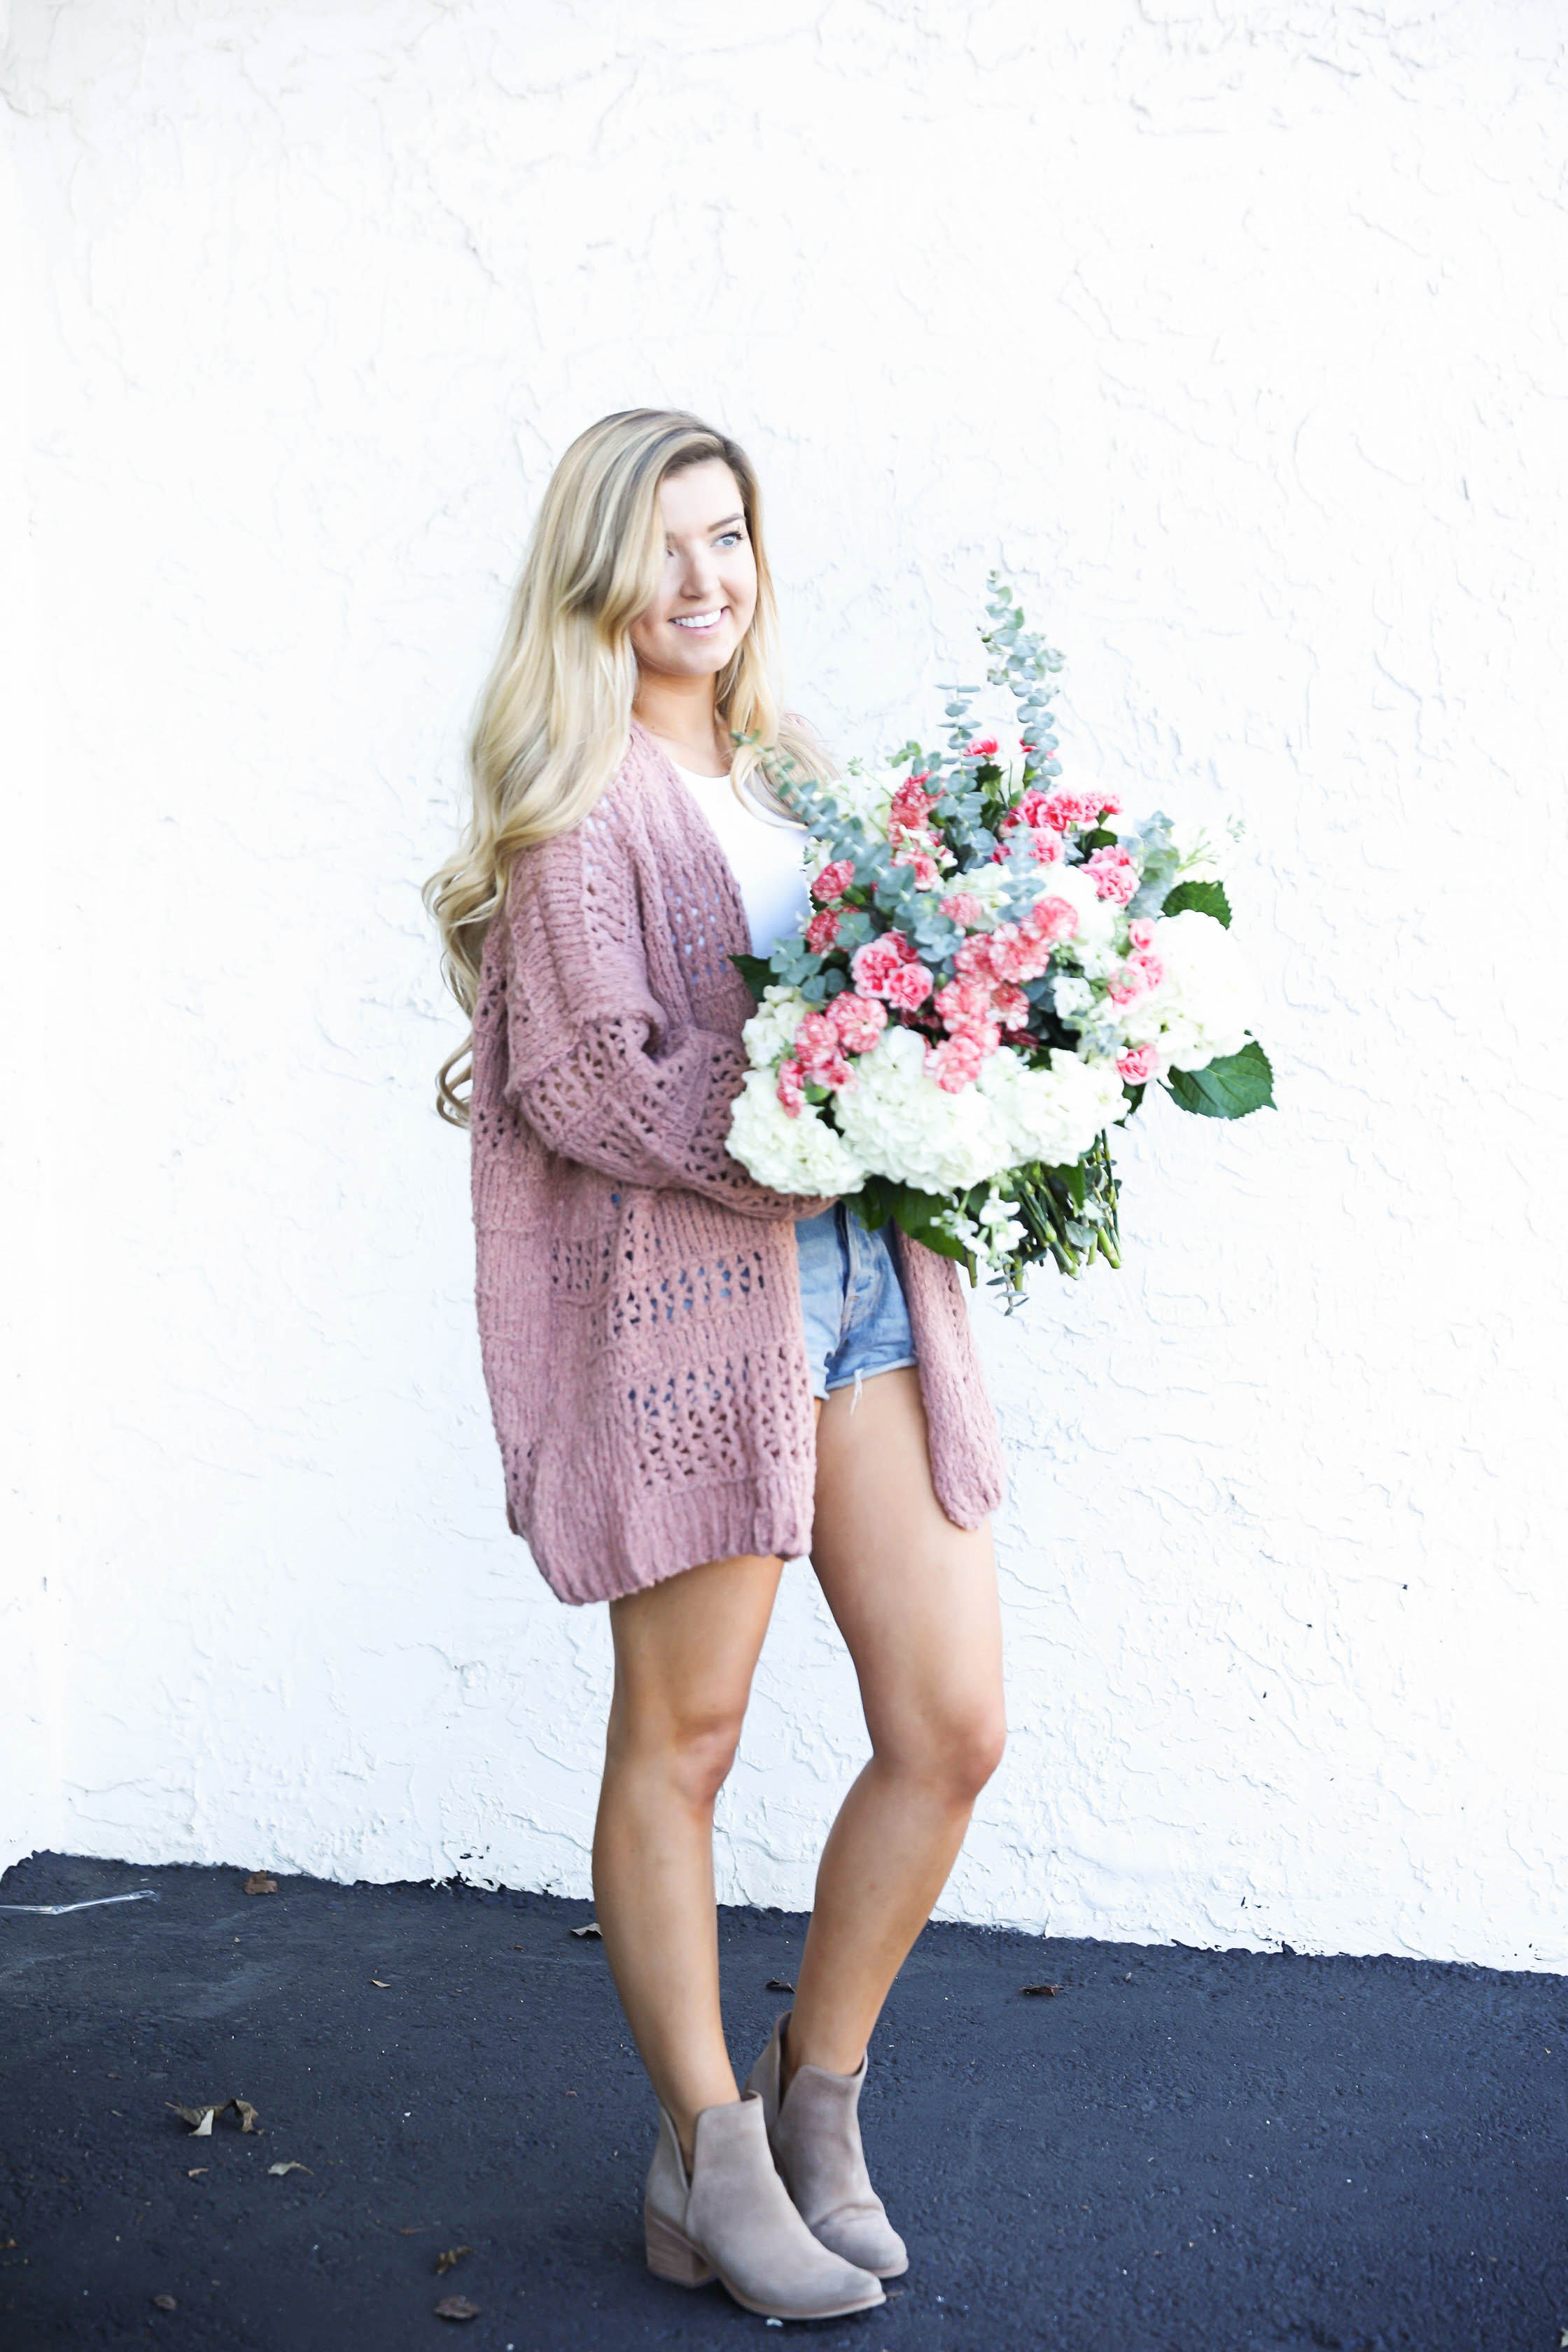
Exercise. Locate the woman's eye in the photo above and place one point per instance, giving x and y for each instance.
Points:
(728, 539)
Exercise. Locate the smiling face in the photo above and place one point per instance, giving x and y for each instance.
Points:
(707, 592)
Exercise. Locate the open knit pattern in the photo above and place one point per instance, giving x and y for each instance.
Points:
(638, 1292)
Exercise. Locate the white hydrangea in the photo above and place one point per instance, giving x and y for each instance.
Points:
(1200, 1010)
(899, 1123)
(770, 1032)
(1051, 1115)
(992, 884)
(869, 791)
(793, 1155)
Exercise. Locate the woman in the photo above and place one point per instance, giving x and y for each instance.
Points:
(694, 1378)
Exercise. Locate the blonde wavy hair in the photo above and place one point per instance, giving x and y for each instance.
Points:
(555, 714)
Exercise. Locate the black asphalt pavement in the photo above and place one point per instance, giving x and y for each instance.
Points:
(1178, 2151)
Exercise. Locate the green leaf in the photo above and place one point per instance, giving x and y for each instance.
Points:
(915, 1214)
(873, 1201)
(1200, 898)
(1229, 1089)
(1101, 838)
(880, 1199)
(756, 971)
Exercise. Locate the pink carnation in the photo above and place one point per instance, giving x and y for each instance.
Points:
(925, 866)
(1141, 931)
(984, 956)
(1115, 875)
(872, 963)
(821, 932)
(909, 986)
(816, 1043)
(962, 907)
(954, 1064)
(1011, 952)
(1043, 846)
(1033, 806)
(985, 747)
(910, 807)
(1110, 803)
(1062, 809)
(1135, 978)
(964, 1005)
(1051, 919)
(833, 880)
(1009, 1004)
(790, 1088)
(859, 1020)
(889, 966)
(1138, 1066)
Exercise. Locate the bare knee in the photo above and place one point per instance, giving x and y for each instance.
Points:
(691, 1752)
(972, 1746)
(953, 1749)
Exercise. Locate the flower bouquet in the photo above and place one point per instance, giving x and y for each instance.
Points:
(996, 972)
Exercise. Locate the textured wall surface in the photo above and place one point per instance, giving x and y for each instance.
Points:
(1237, 334)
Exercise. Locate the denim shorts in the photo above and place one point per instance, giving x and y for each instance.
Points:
(852, 1300)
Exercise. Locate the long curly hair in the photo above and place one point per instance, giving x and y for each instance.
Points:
(554, 717)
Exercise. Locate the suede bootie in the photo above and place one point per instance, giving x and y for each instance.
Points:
(814, 2134)
(732, 2220)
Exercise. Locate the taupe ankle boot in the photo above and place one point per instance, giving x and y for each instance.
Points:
(815, 2135)
(732, 2220)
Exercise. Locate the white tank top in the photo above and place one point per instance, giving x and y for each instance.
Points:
(766, 854)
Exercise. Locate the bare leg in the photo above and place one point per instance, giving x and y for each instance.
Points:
(685, 1652)
(915, 1598)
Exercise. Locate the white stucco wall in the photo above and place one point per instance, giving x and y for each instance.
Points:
(1237, 335)
(29, 1646)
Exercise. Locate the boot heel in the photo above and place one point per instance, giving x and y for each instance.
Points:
(671, 2256)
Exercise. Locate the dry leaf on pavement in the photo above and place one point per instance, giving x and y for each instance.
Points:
(259, 1882)
(450, 2256)
(165, 2303)
(778, 1984)
(456, 2306)
(202, 2119)
(593, 1929)
(275, 2171)
(1045, 1988)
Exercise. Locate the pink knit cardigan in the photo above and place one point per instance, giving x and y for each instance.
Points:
(638, 1292)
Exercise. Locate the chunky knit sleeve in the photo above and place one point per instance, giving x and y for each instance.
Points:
(599, 1068)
